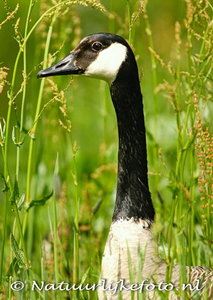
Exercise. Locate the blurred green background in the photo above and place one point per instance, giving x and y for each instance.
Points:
(74, 148)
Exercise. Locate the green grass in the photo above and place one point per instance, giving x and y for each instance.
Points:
(58, 138)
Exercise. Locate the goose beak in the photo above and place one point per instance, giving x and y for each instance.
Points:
(64, 67)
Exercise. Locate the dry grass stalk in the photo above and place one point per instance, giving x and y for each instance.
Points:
(10, 15)
(204, 151)
(3, 76)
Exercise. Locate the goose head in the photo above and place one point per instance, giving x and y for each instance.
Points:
(100, 55)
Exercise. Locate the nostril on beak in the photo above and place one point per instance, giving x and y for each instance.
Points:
(61, 65)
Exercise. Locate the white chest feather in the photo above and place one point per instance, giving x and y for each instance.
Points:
(129, 254)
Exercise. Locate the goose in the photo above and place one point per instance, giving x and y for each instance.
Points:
(130, 263)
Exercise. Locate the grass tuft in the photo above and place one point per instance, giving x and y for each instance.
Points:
(58, 138)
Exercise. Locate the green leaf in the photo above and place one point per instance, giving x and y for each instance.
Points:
(23, 129)
(13, 267)
(21, 202)
(97, 206)
(56, 178)
(19, 254)
(6, 187)
(15, 193)
(16, 142)
(40, 202)
(85, 275)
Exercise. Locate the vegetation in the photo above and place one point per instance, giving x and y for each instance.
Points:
(58, 138)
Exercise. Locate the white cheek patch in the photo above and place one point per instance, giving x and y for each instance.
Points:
(107, 63)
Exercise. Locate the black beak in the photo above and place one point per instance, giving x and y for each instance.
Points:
(63, 67)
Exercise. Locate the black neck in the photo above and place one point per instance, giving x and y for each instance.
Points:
(133, 199)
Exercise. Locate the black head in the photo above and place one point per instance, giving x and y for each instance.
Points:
(99, 55)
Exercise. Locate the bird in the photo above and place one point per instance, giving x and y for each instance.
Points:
(130, 263)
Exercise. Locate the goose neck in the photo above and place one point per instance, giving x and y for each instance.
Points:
(133, 199)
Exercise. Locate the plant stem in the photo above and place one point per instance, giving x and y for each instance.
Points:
(33, 129)
(5, 157)
(76, 227)
(24, 90)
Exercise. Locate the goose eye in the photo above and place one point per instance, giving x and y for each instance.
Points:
(96, 46)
